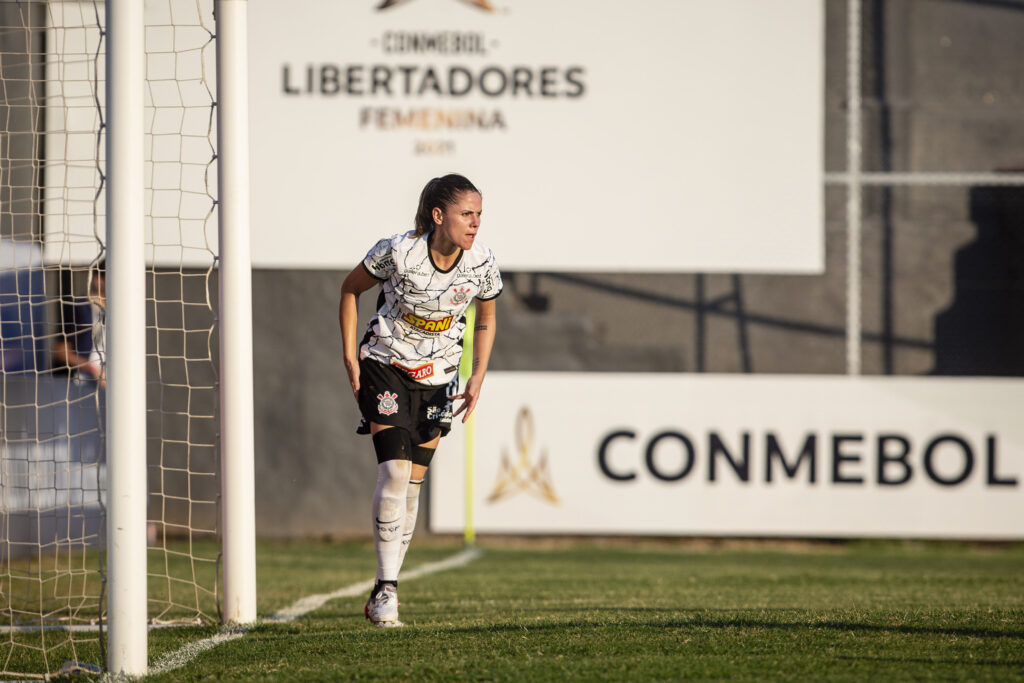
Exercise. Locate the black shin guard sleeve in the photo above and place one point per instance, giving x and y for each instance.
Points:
(393, 443)
(422, 455)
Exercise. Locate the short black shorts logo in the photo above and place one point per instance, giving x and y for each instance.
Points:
(388, 404)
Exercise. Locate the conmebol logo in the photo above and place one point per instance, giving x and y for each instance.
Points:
(482, 4)
(520, 474)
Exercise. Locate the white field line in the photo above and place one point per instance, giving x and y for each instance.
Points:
(312, 602)
(189, 651)
(302, 607)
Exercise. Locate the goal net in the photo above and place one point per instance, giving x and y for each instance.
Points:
(52, 251)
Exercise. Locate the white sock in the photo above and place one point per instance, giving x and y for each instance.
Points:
(412, 508)
(389, 503)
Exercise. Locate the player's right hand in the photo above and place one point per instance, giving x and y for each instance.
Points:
(353, 377)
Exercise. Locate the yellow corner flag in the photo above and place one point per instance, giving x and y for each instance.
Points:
(465, 372)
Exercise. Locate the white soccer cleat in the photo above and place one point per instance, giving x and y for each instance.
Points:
(382, 608)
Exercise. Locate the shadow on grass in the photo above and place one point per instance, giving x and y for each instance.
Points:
(949, 662)
(670, 618)
(702, 621)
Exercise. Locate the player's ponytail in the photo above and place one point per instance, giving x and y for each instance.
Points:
(439, 193)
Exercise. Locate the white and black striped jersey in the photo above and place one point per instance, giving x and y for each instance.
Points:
(420, 316)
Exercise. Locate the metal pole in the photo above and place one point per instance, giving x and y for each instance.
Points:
(238, 503)
(853, 189)
(126, 338)
(469, 451)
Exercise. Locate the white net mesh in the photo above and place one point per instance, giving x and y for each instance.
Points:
(52, 235)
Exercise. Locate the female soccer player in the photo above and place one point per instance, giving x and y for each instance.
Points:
(404, 371)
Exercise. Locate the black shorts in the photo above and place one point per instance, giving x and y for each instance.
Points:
(388, 396)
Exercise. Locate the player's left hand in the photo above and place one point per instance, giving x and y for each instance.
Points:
(469, 397)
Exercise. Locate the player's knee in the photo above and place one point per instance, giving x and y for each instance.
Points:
(393, 478)
(421, 455)
(392, 444)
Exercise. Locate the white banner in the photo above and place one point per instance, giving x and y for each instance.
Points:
(650, 135)
(732, 455)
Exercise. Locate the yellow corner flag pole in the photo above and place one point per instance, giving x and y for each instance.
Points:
(465, 371)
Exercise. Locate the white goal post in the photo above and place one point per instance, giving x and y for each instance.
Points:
(126, 329)
(236, 389)
(126, 339)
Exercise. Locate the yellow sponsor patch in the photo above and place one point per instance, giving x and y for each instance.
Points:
(434, 326)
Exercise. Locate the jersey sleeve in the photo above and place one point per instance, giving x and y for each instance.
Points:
(380, 260)
(491, 285)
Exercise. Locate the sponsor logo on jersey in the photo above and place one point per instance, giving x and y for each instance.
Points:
(460, 295)
(388, 405)
(429, 326)
(381, 263)
(440, 413)
(418, 373)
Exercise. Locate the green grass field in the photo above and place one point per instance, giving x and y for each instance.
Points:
(638, 611)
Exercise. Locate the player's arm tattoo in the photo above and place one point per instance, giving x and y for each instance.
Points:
(480, 328)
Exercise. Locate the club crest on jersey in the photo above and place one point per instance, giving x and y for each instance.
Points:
(428, 326)
(460, 295)
(388, 405)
